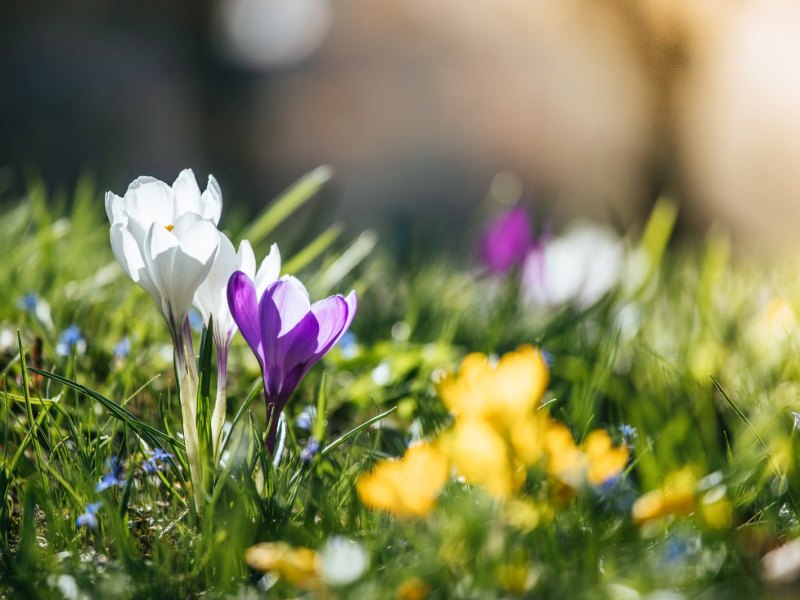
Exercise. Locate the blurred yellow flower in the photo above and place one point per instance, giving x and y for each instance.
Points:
(407, 487)
(564, 459)
(605, 460)
(676, 496)
(298, 566)
(596, 461)
(412, 589)
(481, 456)
(503, 392)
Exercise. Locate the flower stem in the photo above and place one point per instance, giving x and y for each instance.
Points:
(220, 404)
(188, 382)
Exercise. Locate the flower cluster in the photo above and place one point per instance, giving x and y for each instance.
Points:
(166, 239)
(500, 432)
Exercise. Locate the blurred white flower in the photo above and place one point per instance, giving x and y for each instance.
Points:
(343, 561)
(578, 267)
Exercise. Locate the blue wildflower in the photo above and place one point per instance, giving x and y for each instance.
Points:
(628, 433)
(89, 518)
(123, 348)
(113, 477)
(796, 419)
(306, 418)
(70, 339)
(29, 302)
(156, 461)
(308, 453)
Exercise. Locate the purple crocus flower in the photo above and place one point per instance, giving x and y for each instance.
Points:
(287, 333)
(506, 242)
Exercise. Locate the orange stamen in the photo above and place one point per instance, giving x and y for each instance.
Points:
(170, 227)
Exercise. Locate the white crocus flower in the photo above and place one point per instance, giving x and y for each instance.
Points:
(211, 299)
(166, 239)
(578, 267)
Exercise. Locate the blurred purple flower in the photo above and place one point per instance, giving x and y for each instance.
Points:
(507, 241)
(287, 333)
(113, 477)
(89, 518)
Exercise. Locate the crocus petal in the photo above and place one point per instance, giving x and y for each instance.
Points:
(186, 194)
(211, 201)
(114, 208)
(332, 316)
(283, 304)
(243, 305)
(211, 298)
(129, 256)
(149, 201)
(269, 271)
(200, 240)
(247, 260)
(352, 307)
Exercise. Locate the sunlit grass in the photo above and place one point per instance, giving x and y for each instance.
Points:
(691, 362)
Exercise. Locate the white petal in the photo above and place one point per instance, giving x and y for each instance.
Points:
(114, 208)
(200, 240)
(211, 297)
(129, 255)
(269, 271)
(126, 250)
(149, 201)
(247, 259)
(187, 194)
(211, 201)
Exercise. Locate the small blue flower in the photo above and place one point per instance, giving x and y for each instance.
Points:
(113, 477)
(308, 453)
(306, 418)
(796, 419)
(156, 461)
(548, 358)
(123, 348)
(70, 338)
(628, 433)
(89, 518)
(29, 302)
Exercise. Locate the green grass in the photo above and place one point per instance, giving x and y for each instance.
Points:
(681, 352)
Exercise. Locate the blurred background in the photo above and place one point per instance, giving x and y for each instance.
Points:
(423, 107)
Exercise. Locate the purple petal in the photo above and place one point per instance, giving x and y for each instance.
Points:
(244, 309)
(283, 307)
(506, 241)
(332, 315)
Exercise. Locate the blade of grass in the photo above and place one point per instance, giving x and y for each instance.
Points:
(286, 204)
(314, 249)
(152, 435)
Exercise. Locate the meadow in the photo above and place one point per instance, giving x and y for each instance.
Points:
(473, 429)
